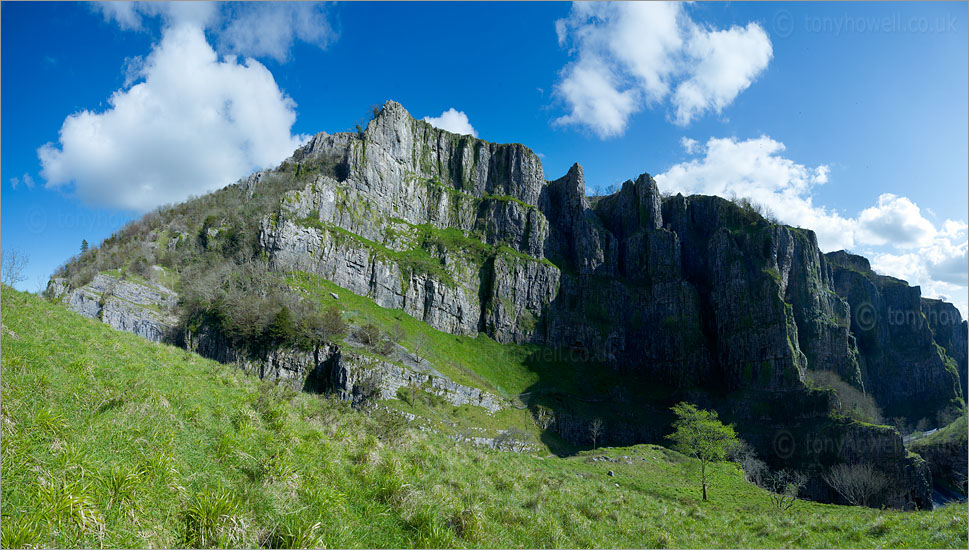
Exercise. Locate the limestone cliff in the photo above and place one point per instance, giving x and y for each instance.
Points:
(698, 293)
(903, 366)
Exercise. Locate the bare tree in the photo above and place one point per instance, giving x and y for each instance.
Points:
(783, 487)
(754, 468)
(369, 335)
(421, 346)
(859, 484)
(14, 264)
(596, 427)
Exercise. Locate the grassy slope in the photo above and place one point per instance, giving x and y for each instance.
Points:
(531, 373)
(952, 434)
(111, 440)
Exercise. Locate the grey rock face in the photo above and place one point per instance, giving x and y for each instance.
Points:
(420, 223)
(143, 309)
(951, 332)
(909, 375)
(355, 377)
(578, 240)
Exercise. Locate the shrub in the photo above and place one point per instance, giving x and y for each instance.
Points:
(754, 468)
(514, 439)
(859, 484)
(369, 335)
(783, 486)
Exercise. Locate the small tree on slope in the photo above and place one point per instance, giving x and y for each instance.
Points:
(700, 434)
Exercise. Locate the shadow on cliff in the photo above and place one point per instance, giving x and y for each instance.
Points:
(590, 403)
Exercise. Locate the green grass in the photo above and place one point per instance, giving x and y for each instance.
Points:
(952, 434)
(109, 440)
(508, 370)
(524, 374)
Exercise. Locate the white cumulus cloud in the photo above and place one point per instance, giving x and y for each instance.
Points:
(896, 221)
(453, 121)
(631, 55)
(895, 235)
(191, 124)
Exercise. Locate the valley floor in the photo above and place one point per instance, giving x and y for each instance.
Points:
(111, 441)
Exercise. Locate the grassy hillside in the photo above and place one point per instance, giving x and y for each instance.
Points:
(561, 379)
(108, 440)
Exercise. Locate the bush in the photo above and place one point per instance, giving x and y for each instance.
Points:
(754, 468)
(859, 484)
(369, 335)
(514, 439)
(783, 486)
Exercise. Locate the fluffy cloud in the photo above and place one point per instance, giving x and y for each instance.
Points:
(724, 63)
(896, 221)
(193, 123)
(453, 121)
(893, 233)
(630, 55)
(755, 169)
(257, 29)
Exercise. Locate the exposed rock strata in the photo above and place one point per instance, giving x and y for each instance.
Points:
(697, 292)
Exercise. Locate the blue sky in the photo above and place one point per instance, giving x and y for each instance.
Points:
(848, 118)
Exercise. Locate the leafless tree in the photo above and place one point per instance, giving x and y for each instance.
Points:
(783, 487)
(596, 427)
(397, 333)
(14, 264)
(754, 468)
(859, 484)
(421, 346)
(368, 334)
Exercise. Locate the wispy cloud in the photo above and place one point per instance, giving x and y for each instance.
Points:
(256, 29)
(26, 180)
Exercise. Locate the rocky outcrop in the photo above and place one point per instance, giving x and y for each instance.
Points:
(356, 377)
(946, 453)
(902, 365)
(143, 308)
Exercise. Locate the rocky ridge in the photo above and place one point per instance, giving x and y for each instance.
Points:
(697, 291)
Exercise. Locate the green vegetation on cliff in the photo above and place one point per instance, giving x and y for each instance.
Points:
(112, 441)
